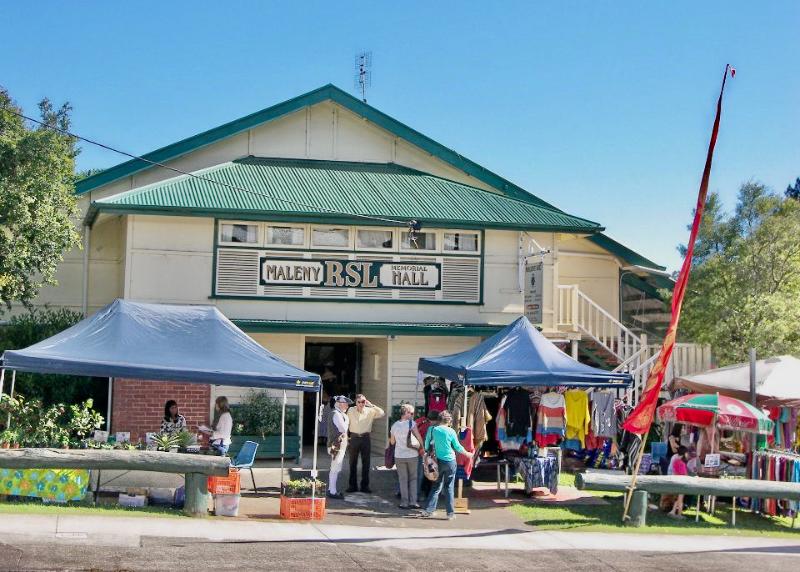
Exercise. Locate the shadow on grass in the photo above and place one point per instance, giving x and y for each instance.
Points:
(609, 517)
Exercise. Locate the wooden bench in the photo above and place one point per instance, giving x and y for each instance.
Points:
(700, 486)
(196, 468)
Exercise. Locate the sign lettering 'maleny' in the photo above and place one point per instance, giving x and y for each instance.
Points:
(349, 274)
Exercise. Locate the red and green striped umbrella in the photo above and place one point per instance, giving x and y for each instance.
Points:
(701, 408)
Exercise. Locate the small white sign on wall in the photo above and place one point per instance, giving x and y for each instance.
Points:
(712, 460)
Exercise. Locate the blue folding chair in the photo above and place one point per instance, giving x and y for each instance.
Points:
(245, 458)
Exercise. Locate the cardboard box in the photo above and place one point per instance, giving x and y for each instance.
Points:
(132, 501)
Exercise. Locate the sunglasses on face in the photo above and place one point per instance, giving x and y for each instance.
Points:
(361, 401)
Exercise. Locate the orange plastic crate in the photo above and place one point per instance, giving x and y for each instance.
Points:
(300, 509)
(229, 485)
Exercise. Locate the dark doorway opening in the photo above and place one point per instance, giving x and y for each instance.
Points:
(339, 365)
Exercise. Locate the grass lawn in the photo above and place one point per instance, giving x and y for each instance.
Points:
(607, 518)
(79, 509)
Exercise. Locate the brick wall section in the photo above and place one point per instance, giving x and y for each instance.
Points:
(138, 406)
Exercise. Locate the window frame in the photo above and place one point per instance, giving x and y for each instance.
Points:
(358, 248)
(256, 224)
(303, 227)
(435, 232)
(350, 237)
(478, 242)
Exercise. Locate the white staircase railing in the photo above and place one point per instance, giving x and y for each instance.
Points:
(578, 312)
(639, 366)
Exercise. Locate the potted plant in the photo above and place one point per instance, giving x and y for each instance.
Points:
(83, 420)
(297, 502)
(258, 418)
(166, 442)
(9, 438)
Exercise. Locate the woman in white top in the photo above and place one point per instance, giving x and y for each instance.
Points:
(221, 436)
(407, 441)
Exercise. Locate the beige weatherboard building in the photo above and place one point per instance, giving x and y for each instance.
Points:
(296, 227)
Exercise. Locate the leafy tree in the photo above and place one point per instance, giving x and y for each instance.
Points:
(37, 202)
(34, 326)
(744, 290)
(793, 191)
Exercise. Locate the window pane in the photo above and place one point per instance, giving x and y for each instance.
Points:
(461, 241)
(374, 239)
(286, 235)
(244, 233)
(424, 241)
(338, 237)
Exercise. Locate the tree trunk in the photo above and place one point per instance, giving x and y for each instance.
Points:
(113, 460)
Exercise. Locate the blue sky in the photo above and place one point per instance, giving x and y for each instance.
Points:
(602, 108)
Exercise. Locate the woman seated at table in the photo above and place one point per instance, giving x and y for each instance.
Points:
(173, 421)
(220, 438)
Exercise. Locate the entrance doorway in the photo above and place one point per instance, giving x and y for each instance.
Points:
(339, 366)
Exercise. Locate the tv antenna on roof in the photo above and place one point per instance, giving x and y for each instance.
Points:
(363, 75)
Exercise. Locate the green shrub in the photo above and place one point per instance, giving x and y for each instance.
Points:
(259, 414)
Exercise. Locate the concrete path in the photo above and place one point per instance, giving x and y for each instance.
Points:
(133, 531)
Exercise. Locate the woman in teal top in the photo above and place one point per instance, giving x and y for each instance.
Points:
(446, 445)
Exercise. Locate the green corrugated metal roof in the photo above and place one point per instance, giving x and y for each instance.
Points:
(350, 189)
(618, 249)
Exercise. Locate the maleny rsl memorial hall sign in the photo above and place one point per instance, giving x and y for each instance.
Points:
(349, 274)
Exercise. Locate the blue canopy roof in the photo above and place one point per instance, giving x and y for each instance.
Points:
(519, 355)
(196, 344)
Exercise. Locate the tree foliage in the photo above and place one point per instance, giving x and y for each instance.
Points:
(744, 290)
(37, 201)
(34, 326)
(793, 191)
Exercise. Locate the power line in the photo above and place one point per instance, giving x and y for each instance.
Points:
(411, 224)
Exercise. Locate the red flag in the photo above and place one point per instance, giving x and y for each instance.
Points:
(641, 417)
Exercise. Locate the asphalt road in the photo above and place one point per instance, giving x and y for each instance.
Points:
(171, 554)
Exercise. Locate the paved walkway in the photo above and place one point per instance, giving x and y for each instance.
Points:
(132, 531)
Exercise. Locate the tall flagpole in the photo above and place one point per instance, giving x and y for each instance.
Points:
(641, 417)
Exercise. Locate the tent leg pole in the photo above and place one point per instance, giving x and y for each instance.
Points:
(314, 461)
(283, 432)
(2, 380)
(108, 406)
(11, 394)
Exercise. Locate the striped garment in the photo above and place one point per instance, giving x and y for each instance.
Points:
(551, 418)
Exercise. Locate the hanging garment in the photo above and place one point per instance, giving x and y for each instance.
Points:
(518, 412)
(477, 418)
(538, 472)
(576, 403)
(437, 401)
(551, 419)
(464, 461)
(604, 418)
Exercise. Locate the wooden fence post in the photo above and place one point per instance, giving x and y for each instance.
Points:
(196, 503)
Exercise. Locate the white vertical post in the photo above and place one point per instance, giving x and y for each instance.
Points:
(314, 461)
(11, 394)
(2, 379)
(108, 406)
(283, 431)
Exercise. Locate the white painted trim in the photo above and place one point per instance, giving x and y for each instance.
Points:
(87, 230)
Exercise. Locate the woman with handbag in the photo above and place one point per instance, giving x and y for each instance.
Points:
(445, 446)
(407, 443)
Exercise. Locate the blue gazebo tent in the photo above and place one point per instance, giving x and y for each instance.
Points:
(519, 355)
(162, 342)
(194, 344)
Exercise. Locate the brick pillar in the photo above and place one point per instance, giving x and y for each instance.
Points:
(138, 405)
